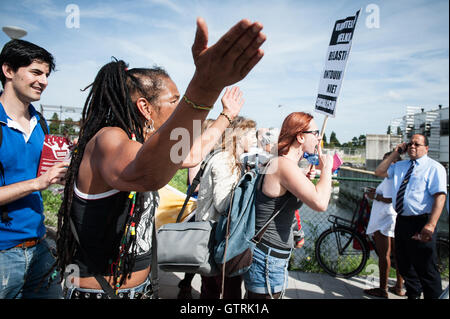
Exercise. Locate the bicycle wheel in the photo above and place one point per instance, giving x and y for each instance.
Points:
(341, 252)
(442, 254)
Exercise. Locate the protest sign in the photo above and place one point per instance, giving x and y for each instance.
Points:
(335, 62)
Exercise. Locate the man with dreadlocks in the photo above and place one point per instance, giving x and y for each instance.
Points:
(120, 159)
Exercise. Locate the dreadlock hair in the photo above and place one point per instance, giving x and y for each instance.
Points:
(108, 104)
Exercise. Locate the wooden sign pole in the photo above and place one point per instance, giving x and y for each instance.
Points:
(325, 120)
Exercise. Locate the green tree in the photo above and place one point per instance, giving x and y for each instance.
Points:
(68, 126)
(324, 139)
(54, 124)
(333, 140)
(389, 131)
(362, 141)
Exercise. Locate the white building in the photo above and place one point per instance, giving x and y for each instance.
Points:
(433, 124)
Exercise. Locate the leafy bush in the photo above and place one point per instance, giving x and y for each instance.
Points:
(179, 180)
(52, 201)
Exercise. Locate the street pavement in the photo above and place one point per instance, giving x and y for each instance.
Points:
(301, 285)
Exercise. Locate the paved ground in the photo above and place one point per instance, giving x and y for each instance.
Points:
(301, 286)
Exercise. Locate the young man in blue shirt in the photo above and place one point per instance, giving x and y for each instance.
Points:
(25, 257)
(420, 188)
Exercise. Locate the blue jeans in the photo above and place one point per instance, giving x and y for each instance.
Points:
(22, 271)
(267, 274)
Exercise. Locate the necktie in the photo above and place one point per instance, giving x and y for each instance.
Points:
(401, 190)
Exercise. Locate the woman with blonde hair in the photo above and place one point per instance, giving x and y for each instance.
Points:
(221, 174)
(284, 185)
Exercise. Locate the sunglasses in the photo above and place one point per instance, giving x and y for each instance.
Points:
(316, 132)
(415, 144)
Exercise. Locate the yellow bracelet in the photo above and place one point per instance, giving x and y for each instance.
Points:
(228, 118)
(198, 107)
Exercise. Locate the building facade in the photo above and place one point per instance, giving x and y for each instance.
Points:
(433, 124)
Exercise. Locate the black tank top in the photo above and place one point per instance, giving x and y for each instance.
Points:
(99, 222)
(279, 232)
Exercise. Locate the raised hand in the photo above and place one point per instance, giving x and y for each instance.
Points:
(311, 174)
(230, 59)
(401, 148)
(325, 160)
(232, 101)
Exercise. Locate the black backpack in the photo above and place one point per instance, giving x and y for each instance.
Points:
(3, 209)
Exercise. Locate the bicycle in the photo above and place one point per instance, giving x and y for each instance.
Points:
(344, 249)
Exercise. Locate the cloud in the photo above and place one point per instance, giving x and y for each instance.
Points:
(168, 4)
(394, 95)
(404, 62)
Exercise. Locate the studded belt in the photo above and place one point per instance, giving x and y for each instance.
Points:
(78, 294)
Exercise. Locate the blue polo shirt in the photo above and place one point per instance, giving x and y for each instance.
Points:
(20, 155)
(427, 179)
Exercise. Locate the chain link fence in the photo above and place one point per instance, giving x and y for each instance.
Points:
(315, 223)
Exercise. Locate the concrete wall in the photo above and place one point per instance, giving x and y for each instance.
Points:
(377, 145)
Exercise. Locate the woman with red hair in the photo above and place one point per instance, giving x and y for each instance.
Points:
(285, 186)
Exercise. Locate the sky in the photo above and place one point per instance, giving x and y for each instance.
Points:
(399, 55)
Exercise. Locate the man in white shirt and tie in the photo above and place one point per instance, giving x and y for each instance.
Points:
(420, 188)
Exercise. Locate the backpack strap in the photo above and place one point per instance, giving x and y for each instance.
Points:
(43, 123)
(3, 209)
(258, 236)
(100, 279)
(2, 171)
(1, 133)
(154, 280)
(196, 181)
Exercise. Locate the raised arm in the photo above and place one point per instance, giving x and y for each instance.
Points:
(232, 103)
(382, 168)
(294, 180)
(149, 167)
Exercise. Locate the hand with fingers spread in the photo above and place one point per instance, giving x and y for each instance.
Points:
(232, 102)
(228, 61)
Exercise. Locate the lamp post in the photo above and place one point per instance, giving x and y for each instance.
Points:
(14, 32)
